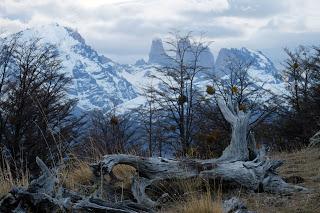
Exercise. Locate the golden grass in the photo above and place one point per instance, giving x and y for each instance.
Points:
(124, 173)
(77, 175)
(197, 202)
(202, 204)
(7, 181)
(192, 196)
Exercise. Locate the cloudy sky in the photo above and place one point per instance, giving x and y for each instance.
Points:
(123, 29)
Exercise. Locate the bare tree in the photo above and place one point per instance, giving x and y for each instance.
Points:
(148, 117)
(299, 118)
(36, 116)
(299, 72)
(6, 53)
(113, 133)
(246, 92)
(177, 93)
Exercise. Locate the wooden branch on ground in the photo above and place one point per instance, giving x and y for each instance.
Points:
(315, 140)
(40, 196)
(235, 165)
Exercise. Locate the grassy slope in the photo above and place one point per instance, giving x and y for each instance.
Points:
(305, 164)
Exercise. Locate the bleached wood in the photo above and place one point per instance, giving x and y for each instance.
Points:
(258, 174)
(239, 121)
(315, 140)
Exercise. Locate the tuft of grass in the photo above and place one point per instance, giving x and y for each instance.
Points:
(199, 204)
(193, 196)
(77, 175)
(124, 174)
(7, 179)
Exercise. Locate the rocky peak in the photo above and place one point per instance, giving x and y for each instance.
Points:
(157, 54)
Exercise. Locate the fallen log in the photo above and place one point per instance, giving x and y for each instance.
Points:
(253, 171)
(42, 196)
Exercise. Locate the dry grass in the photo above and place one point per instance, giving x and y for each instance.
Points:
(77, 175)
(193, 196)
(124, 173)
(199, 204)
(7, 181)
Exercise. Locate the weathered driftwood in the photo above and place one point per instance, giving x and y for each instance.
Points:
(241, 162)
(42, 196)
(315, 140)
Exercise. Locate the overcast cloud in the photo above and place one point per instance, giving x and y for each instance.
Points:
(123, 29)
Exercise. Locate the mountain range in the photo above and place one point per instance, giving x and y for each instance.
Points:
(101, 83)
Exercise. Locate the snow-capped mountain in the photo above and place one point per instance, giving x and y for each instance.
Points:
(261, 69)
(96, 82)
(256, 59)
(100, 83)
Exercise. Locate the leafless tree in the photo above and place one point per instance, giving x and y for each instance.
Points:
(111, 133)
(148, 117)
(177, 93)
(299, 119)
(247, 93)
(299, 72)
(36, 116)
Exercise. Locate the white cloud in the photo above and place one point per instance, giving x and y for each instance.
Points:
(124, 28)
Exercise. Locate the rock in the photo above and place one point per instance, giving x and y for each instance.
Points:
(235, 205)
(157, 54)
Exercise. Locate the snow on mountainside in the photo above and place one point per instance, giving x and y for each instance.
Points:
(96, 82)
(261, 70)
(257, 60)
(100, 83)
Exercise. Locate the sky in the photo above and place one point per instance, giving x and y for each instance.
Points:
(123, 29)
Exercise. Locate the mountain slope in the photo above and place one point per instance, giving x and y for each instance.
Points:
(95, 80)
(261, 69)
